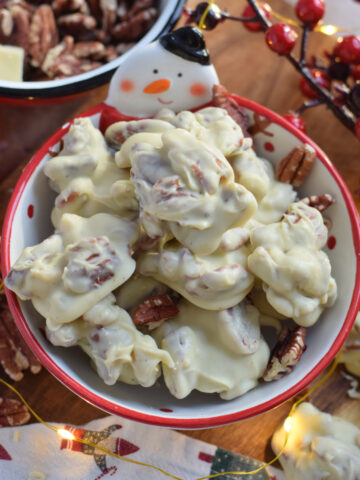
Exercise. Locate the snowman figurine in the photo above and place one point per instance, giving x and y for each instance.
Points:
(173, 72)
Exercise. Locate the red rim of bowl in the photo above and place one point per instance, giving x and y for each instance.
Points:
(194, 423)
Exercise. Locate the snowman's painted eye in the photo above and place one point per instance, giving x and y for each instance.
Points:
(179, 74)
(155, 70)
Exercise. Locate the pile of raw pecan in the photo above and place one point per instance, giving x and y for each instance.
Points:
(68, 37)
(15, 355)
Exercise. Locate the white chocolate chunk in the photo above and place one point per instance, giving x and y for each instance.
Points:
(319, 446)
(11, 63)
(202, 358)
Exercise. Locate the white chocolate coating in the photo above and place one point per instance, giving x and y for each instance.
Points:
(212, 126)
(198, 342)
(119, 351)
(189, 186)
(319, 446)
(212, 282)
(71, 271)
(86, 177)
(296, 274)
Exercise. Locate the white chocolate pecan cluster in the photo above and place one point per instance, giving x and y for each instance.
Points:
(75, 268)
(295, 272)
(86, 178)
(174, 244)
(318, 446)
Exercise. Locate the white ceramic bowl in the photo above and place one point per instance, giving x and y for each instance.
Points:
(27, 222)
(169, 13)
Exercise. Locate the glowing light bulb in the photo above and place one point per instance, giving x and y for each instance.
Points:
(328, 29)
(65, 434)
(287, 424)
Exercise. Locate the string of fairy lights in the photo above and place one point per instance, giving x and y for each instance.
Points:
(62, 432)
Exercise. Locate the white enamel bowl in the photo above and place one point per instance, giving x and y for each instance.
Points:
(169, 13)
(28, 222)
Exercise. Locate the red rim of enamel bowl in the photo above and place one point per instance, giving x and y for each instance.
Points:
(194, 423)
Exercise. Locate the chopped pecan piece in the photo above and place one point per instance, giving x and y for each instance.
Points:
(13, 413)
(286, 354)
(155, 309)
(320, 202)
(296, 166)
(221, 99)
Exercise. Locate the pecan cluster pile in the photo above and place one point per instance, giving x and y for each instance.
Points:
(68, 37)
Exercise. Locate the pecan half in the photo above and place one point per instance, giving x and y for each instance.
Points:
(15, 355)
(222, 100)
(20, 36)
(286, 354)
(132, 29)
(43, 34)
(61, 7)
(296, 166)
(155, 309)
(108, 8)
(93, 50)
(76, 23)
(6, 23)
(320, 202)
(13, 413)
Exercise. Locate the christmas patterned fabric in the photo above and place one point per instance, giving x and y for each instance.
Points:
(35, 452)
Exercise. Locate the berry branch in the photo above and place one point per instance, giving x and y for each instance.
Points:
(320, 84)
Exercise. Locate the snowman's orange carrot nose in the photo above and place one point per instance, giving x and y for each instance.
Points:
(157, 86)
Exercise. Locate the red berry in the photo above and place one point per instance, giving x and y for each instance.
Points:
(348, 49)
(281, 38)
(295, 120)
(310, 11)
(320, 78)
(355, 72)
(357, 128)
(248, 12)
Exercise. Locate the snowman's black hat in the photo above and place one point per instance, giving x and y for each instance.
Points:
(188, 43)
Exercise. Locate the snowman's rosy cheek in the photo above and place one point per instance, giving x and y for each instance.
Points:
(198, 89)
(127, 86)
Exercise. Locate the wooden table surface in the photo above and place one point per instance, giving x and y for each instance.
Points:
(247, 67)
